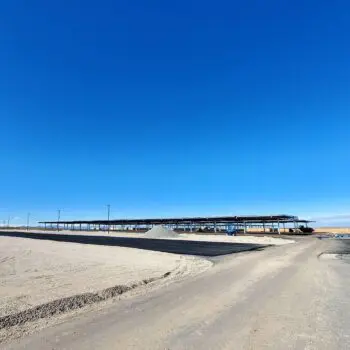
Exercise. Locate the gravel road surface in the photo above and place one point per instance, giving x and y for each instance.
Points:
(286, 297)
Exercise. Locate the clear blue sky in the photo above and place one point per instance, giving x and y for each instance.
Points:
(174, 108)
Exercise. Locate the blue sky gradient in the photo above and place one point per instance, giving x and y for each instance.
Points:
(174, 108)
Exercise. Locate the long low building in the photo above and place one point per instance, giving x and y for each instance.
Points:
(183, 223)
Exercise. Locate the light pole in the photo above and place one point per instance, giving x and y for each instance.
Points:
(58, 219)
(108, 212)
(28, 216)
(8, 221)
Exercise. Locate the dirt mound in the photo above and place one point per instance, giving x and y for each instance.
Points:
(63, 305)
(160, 232)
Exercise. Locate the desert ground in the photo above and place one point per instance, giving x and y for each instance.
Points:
(35, 272)
(332, 230)
(292, 295)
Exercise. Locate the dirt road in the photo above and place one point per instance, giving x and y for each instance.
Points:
(281, 298)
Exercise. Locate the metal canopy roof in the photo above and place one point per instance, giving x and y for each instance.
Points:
(187, 220)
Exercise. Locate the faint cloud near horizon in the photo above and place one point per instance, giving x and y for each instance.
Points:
(332, 220)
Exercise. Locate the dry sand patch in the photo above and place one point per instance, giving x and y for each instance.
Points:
(34, 272)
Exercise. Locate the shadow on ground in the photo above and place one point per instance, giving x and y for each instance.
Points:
(161, 245)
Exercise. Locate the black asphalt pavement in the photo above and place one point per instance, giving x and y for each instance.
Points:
(161, 245)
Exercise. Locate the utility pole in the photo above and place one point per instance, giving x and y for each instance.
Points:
(58, 219)
(8, 221)
(108, 212)
(28, 216)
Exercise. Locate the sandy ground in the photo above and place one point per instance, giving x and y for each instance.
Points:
(34, 272)
(237, 239)
(281, 298)
(332, 230)
(265, 240)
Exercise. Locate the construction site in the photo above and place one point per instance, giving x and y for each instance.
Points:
(229, 224)
(87, 263)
